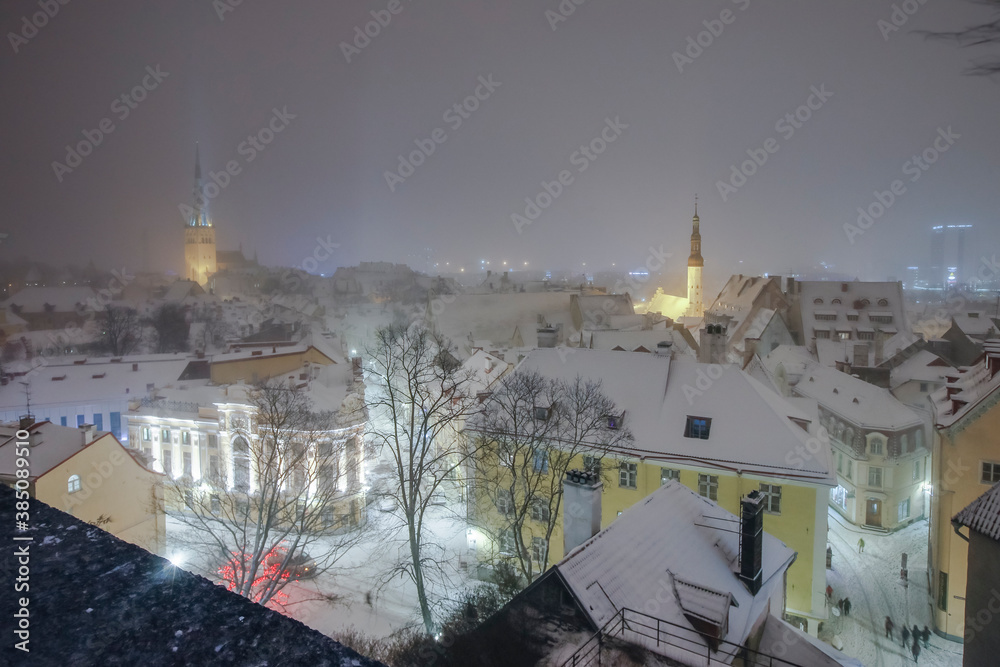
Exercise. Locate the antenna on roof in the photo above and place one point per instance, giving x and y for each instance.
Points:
(27, 398)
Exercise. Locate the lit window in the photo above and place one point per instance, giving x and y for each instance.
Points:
(697, 427)
(708, 486)
(875, 477)
(667, 474)
(628, 474)
(147, 434)
(74, 483)
(772, 498)
(185, 438)
(165, 435)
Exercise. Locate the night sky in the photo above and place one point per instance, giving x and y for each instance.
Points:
(225, 68)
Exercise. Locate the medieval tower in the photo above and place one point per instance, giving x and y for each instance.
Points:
(696, 306)
(199, 234)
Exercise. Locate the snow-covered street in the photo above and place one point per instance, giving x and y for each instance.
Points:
(871, 580)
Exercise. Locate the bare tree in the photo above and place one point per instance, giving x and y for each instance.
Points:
(120, 329)
(417, 400)
(294, 475)
(982, 34)
(531, 431)
(169, 321)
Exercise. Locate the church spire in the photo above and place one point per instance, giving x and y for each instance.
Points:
(199, 218)
(696, 259)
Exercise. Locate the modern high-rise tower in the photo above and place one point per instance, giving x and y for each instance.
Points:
(696, 305)
(199, 234)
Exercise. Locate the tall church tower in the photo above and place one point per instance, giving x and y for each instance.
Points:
(199, 234)
(696, 306)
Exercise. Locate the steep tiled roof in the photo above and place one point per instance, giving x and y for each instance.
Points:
(983, 514)
(96, 600)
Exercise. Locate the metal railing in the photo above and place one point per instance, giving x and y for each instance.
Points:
(169, 406)
(627, 625)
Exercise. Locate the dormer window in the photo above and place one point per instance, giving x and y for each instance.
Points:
(614, 422)
(836, 302)
(883, 302)
(818, 301)
(697, 427)
(542, 413)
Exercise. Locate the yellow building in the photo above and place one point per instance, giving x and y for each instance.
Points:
(719, 432)
(90, 475)
(965, 464)
(256, 363)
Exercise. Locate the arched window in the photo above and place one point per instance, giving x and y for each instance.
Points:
(241, 464)
(918, 436)
(836, 302)
(883, 302)
(818, 301)
(73, 485)
(849, 437)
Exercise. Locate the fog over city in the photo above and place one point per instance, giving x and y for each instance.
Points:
(500, 333)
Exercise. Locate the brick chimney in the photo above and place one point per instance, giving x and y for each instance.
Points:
(88, 432)
(581, 508)
(751, 540)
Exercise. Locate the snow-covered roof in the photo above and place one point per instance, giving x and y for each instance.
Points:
(738, 302)
(633, 340)
(865, 300)
(678, 549)
(971, 385)
(51, 444)
(64, 299)
(924, 366)
(659, 395)
(983, 514)
(485, 370)
(830, 351)
(71, 380)
(976, 324)
(853, 399)
(784, 639)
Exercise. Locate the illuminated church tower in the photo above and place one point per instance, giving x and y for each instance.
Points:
(199, 234)
(696, 306)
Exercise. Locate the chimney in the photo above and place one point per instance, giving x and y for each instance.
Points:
(861, 355)
(751, 540)
(87, 431)
(581, 508)
(712, 344)
(26, 422)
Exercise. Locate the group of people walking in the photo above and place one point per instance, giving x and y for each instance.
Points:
(916, 634)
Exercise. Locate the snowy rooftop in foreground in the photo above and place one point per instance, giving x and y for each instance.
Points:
(659, 395)
(659, 552)
(983, 514)
(98, 600)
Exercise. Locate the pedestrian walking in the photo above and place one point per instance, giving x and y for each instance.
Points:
(916, 632)
(847, 606)
(926, 636)
(861, 545)
(829, 594)
(906, 635)
(840, 606)
(889, 625)
(915, 649)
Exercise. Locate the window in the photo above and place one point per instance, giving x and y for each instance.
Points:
(539, 549)
(667, 474)
(839, 496)
(116, 424)
(818, 301)
(147, 434)
(79, 418)
(185, 437)
(836, 302)
(540, 510)
(905, 443)
(875, 477)
(507, 543)
(592, 464)
(213, 441)
(168, 463)
(62, 421)
(924, 386)
(991, 473)
(866, 335)
(628, 474)
(165, 435)
(614, 422)
(505, 504)
(542, 414)
(213, 466)
(875, 446)
(942, 596)
(826, 317)
(215, 504)
(74, 483)
(188, 498)
(99, 421)
(852, 317)
(916, 470)
(822, 333)
(883, 302)
(541, 463)
(187, 463)
(697, 427)
(847, 470)
(880, 319)
(708, 486)
(903, 511)
(772, 498)
(840, 462)
(324, 449)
